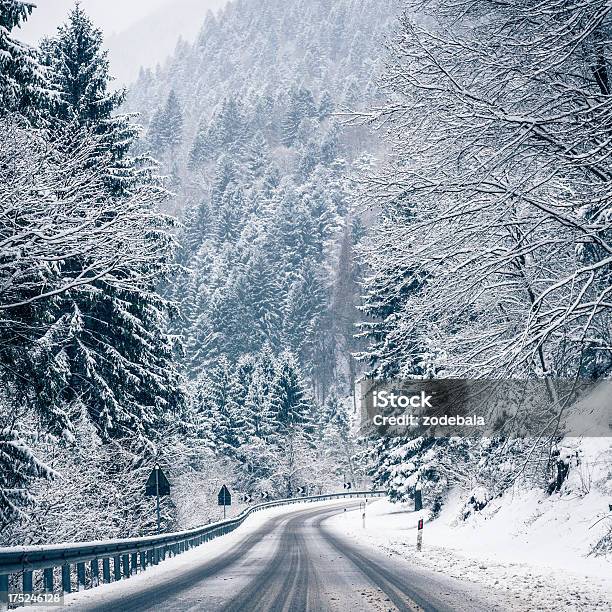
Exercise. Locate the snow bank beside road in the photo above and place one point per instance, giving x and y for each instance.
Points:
(529, 547)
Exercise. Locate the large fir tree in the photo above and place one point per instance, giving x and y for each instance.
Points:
(120, 357)
(23, 87)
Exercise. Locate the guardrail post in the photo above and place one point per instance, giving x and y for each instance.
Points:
(80, 576)
(27, 581)
(117, 568)
(143, 561)
(95, 573)
(155, 556)
(126, 566)
(4, 587)
(106, 570)
(134, 564)
(48, 579)
(66, 578)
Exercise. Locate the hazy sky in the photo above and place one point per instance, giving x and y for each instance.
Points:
(137, 32)
(113, 16)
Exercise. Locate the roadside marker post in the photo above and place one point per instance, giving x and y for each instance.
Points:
(420, 535)
(362, 507)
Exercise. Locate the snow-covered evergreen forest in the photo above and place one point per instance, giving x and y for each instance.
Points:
(178, 271)
(197, 270)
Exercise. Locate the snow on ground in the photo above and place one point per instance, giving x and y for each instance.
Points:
(528, 546)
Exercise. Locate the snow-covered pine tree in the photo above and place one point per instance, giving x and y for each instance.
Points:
(311, 156)
(78, 69)
(289, 398)
(240, 385)
(229, 214)
(260, 418)
(326, 105)
(19, 467)
(304, 307)
(23, 85)
(225, 174)
(166, 127)
(220, 409)
(388, 283)
(434, 464)
(230, 127)
(120, 357)
(292, 119)
(260, 298)
(257, 157)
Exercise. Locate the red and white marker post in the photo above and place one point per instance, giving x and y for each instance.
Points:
(420, 535)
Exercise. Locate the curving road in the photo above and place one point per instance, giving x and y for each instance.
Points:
(291, 563)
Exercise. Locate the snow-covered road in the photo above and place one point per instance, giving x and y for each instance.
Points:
(288, 560)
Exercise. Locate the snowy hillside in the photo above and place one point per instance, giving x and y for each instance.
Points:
(530, 551)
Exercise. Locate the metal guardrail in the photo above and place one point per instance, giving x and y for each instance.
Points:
(129, 556)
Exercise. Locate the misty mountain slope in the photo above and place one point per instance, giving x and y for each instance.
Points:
(245, 122)
(153, 39)
(258, 48)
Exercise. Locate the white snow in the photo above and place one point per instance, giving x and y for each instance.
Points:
(526, 547)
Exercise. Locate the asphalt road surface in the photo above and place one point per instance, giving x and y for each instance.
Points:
(293, 563)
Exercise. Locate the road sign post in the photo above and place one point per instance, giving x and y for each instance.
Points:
(157, 496)
(157, 485)
(420, 535)
(224, 498)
